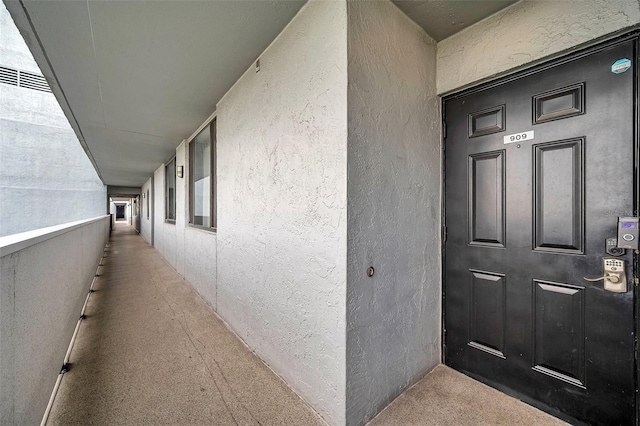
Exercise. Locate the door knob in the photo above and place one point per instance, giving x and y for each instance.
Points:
(614, 278)
(614, 275)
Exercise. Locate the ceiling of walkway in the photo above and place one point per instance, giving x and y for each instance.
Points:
(440, 19)
(135, 78)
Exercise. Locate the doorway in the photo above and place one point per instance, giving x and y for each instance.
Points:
(539, 167)
(120, 211)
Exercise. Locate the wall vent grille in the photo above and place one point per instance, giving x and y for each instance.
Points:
(8, 76)
(33, 81)
(25, 79)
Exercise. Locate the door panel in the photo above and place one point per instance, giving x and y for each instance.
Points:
(559, 331)
(487, 319)
(486, 199)
(526, 220)
(558, 187)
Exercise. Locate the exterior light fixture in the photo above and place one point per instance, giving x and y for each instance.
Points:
(180, 171)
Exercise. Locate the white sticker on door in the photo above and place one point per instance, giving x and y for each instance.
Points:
(519, 137)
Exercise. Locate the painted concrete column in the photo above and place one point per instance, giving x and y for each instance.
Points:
(393, 219)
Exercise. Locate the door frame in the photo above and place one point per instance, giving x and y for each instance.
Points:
(593, 47)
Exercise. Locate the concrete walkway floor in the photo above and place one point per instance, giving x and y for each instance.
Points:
(447, 397)
(151, 352)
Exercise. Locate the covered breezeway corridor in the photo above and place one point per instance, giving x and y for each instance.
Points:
(152, 352)
(286, 164)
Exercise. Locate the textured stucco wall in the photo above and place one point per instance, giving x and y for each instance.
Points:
(163, 233)
(394, 181)
(200, 262)
(196, 260)
(135, 219)
(282, 137)
(182, 208)
(145, 219)
(525, 32)
(42, 290)
(46, 178)
(13, 51)
(169, 237)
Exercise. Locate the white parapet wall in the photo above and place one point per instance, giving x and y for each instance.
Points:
(45, 275)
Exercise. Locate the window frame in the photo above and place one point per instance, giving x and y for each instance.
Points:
(213, 204)
(168, 219)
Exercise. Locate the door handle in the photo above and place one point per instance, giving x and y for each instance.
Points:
(614, 275)
(614, 278)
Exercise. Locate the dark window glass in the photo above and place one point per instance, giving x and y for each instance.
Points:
(202, 178)
(170, 189)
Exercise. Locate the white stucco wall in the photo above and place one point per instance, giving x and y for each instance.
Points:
(525, 32)
(13, 51)
(46, 178)
(135, 219)
(282, 137)
(196, 260)
(182, 208)
(394, 181)
(163, 232)
(42, 290)
(200, 262)
(145, 219)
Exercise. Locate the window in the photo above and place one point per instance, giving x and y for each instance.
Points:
(148, 204)
(170, 190)
(202, 178)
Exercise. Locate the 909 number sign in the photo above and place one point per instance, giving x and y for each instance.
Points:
(519, 137)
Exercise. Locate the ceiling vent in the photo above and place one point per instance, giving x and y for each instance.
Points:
(25, 79)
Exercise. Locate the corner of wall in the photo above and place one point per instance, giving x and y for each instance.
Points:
(394, 207)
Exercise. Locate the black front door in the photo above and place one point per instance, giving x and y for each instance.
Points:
(538, 169)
